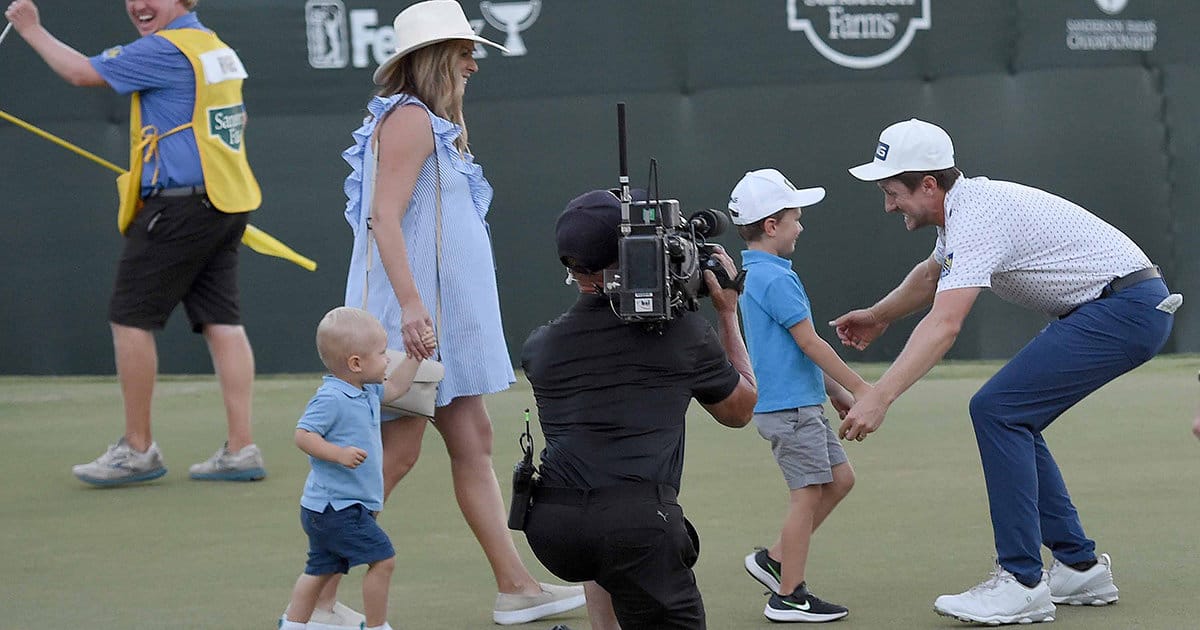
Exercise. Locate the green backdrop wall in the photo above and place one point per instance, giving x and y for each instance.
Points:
(1093, 99)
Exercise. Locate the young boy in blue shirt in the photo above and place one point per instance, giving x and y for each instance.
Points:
(795, 368)
(344, 491)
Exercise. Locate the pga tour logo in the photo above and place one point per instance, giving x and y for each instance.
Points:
(857, 34)
(338, 38)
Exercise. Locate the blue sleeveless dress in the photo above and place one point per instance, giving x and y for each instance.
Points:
(471, 339)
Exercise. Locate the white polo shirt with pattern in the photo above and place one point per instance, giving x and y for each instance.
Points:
(1030, 247)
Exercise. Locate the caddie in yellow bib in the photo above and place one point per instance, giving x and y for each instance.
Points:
(183, 216)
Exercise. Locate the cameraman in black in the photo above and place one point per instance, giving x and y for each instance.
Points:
(612, 399)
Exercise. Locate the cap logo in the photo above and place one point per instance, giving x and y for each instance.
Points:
(882, 151)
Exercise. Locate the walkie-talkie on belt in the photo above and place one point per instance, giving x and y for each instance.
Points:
(523, 481)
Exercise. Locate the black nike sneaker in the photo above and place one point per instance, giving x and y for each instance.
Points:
(802, 606)
(761, 567)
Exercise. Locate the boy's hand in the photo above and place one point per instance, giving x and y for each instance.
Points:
(351, 456)
(429, 340)
(1196, 426)
(415, 328)
(842, 401)
(864, 418)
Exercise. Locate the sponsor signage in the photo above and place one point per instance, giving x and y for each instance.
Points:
(1111, 33)
(341, 38)
(228, 123)
(859, 34)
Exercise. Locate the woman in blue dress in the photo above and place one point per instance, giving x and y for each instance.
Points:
(412, 147)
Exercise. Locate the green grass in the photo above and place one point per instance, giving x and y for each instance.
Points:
(182, 554)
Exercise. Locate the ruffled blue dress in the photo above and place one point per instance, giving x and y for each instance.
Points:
(471, 339)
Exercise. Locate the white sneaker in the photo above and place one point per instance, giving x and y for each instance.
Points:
(1000, 599)
(121, 464)
(244, 465)
(512, 609)
(342, 617)
(1093, 587)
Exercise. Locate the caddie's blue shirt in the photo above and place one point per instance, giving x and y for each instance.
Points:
(347, 416)
(772, 302)
(164, 76)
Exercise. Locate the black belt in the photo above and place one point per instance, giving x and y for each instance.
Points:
(182, 191)
(1124, 282)
(581, 497)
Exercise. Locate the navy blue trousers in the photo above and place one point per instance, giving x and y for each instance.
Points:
(1071, 358)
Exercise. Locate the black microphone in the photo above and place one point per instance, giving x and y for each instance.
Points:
(709, 222)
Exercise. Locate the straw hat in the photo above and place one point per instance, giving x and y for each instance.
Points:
(426, 23)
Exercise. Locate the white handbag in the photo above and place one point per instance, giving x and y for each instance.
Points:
(420, 398)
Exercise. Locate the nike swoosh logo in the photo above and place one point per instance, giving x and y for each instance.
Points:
(804, 606)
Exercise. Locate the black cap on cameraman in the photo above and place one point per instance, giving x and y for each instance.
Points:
(588, 230)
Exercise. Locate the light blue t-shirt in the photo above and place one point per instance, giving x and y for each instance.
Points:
(164, 76)
(773, 302)
(347, 416)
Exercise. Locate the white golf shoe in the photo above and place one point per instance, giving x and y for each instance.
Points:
(1093, 587)
(1000, 599)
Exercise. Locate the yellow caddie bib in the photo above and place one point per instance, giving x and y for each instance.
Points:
(218, 121)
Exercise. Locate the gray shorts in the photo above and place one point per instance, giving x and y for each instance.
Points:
(803, 443)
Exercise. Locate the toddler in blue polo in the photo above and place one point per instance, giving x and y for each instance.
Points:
(344, 491)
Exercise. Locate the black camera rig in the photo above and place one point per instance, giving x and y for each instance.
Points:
(661, 257)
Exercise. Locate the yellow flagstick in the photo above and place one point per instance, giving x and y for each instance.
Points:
(60, 142)
(264, 243)
(253, 238)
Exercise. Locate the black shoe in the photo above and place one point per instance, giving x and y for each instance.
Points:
(802, 606)
(761, 567)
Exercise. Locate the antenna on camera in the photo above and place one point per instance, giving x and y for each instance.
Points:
(623, 173)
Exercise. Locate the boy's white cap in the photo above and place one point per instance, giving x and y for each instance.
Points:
(912, 145)
(766, 191)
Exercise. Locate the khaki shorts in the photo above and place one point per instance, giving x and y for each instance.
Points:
(803, 443)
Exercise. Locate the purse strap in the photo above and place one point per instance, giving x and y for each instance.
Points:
(437, 330)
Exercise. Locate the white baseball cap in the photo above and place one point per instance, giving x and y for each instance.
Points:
(766, 191)
(912, 145)
(426, 23)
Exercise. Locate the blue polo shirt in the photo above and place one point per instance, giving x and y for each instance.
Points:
(164, 76)
(773, 302)
(347, 416)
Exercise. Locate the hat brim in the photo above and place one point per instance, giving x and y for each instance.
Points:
(873, 172)
(800, 198)
(385, 68)
(806, 197)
